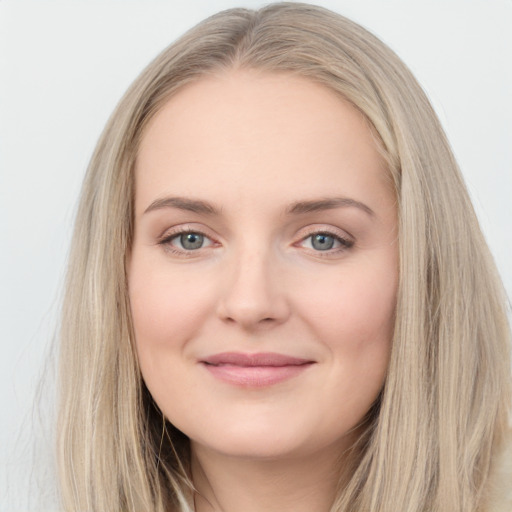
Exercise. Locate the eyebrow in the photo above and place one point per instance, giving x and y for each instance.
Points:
(183, 203)
(328, 204)
(300, 207)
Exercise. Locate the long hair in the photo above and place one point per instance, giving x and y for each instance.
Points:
(443, 415)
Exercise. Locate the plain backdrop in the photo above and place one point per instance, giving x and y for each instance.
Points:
(64, 65)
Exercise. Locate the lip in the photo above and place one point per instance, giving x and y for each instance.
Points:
(255, 370)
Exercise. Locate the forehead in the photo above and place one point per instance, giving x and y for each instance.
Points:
(272, 132)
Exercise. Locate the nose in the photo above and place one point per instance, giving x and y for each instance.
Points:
(253, 294)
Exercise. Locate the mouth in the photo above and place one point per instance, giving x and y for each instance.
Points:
(255, 370)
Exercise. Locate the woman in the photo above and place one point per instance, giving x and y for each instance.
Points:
(278, 294)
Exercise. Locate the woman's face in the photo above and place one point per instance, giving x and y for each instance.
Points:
(263, 274)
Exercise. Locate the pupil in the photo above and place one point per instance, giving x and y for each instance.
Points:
(322, 242)
(191, 241)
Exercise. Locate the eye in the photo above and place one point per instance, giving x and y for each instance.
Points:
(186, 241)
(323, 241)
(190, 241)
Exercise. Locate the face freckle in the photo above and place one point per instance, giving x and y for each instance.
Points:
(263, 272)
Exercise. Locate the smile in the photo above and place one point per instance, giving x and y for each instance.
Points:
(255, 370)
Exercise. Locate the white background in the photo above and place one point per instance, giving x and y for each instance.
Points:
(64, 65)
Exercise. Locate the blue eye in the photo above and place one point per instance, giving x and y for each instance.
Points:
(191, 241)
(186, 241)
(323, 242)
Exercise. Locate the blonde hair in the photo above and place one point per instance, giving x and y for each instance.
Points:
(443, 414)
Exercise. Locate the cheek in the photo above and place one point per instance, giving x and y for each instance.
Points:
(166, 314)
(159, 311)
(167, 311)
(353, 316)
(355, 306)
(355, 321)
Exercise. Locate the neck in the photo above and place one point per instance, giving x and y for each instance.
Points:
(298, 484)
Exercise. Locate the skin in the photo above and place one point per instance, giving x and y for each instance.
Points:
(252, 145)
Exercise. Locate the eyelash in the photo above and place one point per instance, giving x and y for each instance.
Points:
(344, 243)
(166, 240)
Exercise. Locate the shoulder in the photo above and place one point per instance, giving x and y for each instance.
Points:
(500, 484)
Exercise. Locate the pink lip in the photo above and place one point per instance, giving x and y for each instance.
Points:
(255, 370)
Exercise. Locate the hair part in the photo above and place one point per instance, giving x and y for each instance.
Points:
(444, 411)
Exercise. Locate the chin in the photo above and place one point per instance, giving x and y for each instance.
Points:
(253, 449)
(264, 443)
